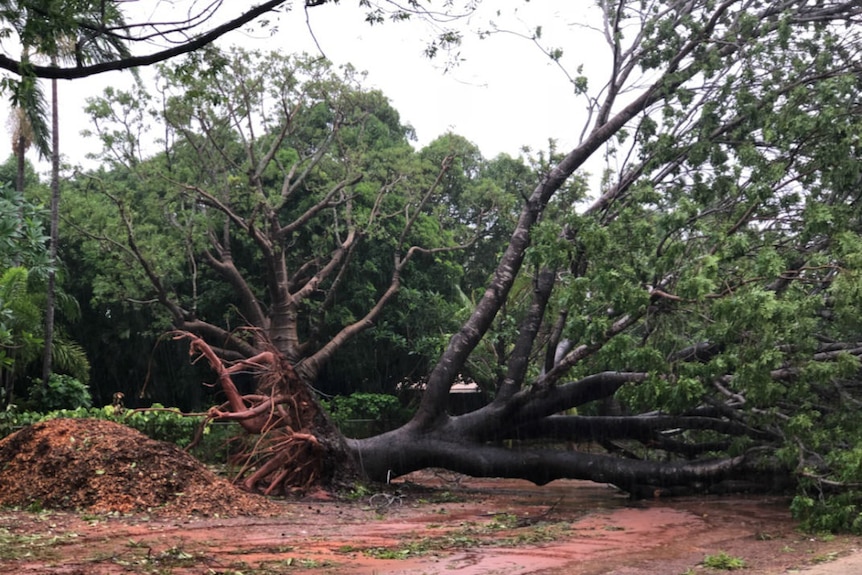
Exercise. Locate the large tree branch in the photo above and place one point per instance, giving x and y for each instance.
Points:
(331, 266)
(385, 456)
(311, 366)
(228, 345)
(643, 428)
(495, 419)
(433, 404)
(177, 312)
(248, 303)
(17, 67)
(519, 360)
(326, 201)
(586, 349)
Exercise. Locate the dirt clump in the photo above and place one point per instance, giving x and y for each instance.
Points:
(104, 467)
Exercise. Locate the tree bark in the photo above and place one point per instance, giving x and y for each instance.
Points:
(47, 361)
(386, 456)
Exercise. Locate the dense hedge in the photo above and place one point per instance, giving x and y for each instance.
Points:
(359, 414)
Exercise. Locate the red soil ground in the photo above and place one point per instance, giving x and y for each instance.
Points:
(135, 506)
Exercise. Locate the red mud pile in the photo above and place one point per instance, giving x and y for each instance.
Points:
(103, 467)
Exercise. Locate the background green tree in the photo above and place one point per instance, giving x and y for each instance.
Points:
(24, 264)
(226, 154)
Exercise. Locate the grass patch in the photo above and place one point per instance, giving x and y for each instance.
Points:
(267, 567)
(31, 546)
(470, 535)
(826, 557)
(723, 561)
(445, 497)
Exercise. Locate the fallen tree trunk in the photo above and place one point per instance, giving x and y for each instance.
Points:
(389, 455)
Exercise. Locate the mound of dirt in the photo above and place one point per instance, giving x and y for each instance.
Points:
(103, 467)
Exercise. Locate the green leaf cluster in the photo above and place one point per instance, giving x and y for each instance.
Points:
(62, 392)
(364, 414)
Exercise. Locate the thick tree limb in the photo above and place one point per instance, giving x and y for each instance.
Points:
(519, 360)
(16, 67)
(642, 428)
(495, 420)
(388, 456)
(432, 407)
(248, 303)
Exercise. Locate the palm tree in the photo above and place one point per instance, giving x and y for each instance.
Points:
(28, 123)
(48, 355)
(85, 49)
(56, 31)
(27, 132)
(18, 311)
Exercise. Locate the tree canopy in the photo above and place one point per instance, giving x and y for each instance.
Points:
(294, 202)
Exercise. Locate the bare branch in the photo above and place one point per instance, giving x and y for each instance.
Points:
(205, 39)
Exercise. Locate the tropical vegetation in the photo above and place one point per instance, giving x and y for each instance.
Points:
(687, 324)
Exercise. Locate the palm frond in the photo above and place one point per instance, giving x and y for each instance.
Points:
(67, 305)
(29, 98)
(70, 358)
(13, 284)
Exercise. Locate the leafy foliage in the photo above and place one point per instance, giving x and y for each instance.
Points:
(723, 561)
(364, 414)
(63, 392)
(24, 267)
(22, 232)
(18, 314)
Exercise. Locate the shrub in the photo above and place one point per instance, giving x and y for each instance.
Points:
(160, 424)
(62, 392)
(838, 512)
(364, 414)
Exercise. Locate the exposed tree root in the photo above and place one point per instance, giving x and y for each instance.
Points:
(287, 457)
(280, 463)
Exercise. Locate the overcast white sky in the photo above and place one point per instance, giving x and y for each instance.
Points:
(504, 94)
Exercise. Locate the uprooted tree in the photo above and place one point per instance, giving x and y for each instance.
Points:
(287, 200)
(693, 324)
